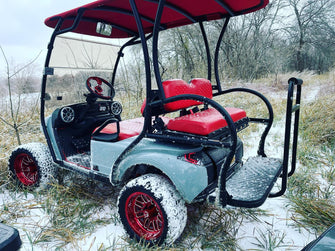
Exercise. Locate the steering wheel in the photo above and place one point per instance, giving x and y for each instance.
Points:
(100, 88)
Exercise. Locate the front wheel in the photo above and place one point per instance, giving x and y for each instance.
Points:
(31, 165)
(152, 210)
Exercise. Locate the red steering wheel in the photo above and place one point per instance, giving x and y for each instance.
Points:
(100, 87)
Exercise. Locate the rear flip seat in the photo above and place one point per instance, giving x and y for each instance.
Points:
(200, 123)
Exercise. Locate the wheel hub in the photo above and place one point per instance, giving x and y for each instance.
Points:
(145, 216)
(26, 169)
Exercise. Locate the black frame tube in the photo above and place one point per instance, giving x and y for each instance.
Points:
(155, 48)
(75, 22)
(147, 117)
(177, 9)
(120, 54)
(268, 121)
(43, 89)
(226, 7)
(208, 53)
(289, 110)
(295, 129)
(216, 56)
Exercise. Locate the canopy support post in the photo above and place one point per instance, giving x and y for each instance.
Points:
(216, 56)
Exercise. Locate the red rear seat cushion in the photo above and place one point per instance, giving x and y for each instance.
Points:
(174, 87)
(204, 122)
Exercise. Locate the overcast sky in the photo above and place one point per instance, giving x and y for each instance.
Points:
(23, 33)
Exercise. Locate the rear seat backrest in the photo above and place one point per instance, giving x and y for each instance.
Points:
(174, 87)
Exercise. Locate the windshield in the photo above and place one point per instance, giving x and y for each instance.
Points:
(74, 60)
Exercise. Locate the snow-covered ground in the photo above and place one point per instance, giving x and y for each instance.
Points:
(32, 220)
(278, 223)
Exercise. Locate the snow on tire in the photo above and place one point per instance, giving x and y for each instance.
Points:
(151, 210)
(31, 165)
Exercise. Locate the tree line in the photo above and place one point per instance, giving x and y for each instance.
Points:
(286, 36)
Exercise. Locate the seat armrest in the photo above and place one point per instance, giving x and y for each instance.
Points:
(108, 137)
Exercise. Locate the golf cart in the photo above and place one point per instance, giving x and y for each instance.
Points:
(160, 160)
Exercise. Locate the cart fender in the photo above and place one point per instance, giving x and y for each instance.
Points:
(189, 179)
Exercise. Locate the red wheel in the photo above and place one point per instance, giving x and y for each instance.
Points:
(31, 165)
(144, 216)
(26, 169)
(151, 210)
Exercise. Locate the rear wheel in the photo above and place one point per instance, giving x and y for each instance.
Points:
(151, 210)
(31, 165)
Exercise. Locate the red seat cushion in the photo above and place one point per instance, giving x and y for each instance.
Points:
(204, 122)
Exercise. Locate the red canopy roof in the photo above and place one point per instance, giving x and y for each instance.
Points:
(176, 13)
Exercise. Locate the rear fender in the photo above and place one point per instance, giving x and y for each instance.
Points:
(189, 179)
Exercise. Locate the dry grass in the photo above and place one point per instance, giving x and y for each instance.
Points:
(313, 213)
(318, 121)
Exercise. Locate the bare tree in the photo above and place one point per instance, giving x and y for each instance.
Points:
(14, 121)
(250, 43)
(313, 24)
(182, 53)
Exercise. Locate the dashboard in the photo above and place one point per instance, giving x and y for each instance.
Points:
(79, 112)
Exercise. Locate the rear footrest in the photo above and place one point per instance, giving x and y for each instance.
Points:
(252, 183)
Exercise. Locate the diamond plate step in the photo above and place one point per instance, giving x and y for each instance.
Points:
(252, 183)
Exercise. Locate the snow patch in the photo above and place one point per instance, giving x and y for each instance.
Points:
(278, 224)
